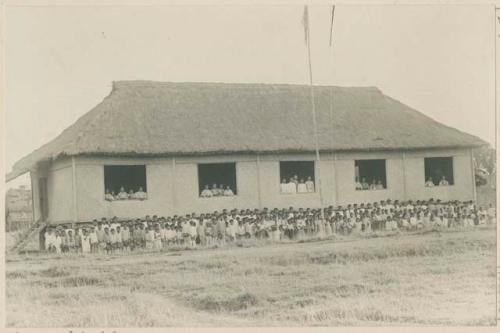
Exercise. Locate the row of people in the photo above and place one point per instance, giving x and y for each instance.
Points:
(442, 182)
(195, 230)
(216, 191)
(375, 184)
(297, 185)
(294, 185)
(140, 194)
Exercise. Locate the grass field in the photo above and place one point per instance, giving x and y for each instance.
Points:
(432, 278)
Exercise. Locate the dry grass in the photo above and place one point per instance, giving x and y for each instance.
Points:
(436, 278)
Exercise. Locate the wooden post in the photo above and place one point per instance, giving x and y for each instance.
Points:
(75, 202)
(335, 179)
(35, 201)
(174, 192)
(404, 176)
(473, 175)
(259, 196)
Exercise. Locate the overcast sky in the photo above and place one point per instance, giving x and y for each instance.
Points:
(60, 61)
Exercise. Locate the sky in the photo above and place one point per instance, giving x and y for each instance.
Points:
(61, 61)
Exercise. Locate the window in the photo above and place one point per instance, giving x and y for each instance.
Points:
(124, 179)
(297, 177)
(438, 171)
(217, 179)
(370, 175)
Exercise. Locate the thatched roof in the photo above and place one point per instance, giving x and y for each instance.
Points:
(163, 118)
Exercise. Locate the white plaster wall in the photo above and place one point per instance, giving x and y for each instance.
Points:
(60, 191)
(463, 188)
(90, 190)
(346, 185)
(405, 174)
(186, 187)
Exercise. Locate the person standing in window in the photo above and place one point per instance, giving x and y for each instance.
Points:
(122, 195)
(131, 195)
(301, 187)
(215, 190)
(228, 192)
(373, 185)
(283, 186)
(429, 182)
(443, 181)
(379, 185)
(140, 194)
(359, 186)
(309, 184)
(364, 184)
(108, 196)
(291, 186)
(206, 193)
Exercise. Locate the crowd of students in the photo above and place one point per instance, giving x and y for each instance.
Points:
(442, 182)
(297, 185)
(124, 195)
(217, 228)
(375, 184)
(216, 191)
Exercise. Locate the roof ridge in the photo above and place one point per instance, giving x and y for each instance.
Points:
(143, 83)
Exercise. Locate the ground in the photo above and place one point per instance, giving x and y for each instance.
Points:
(434, 277)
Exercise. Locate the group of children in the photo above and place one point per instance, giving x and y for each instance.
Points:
(216, 191)
(297, 185)
(140, 194)
(375, 184)
(217, 228)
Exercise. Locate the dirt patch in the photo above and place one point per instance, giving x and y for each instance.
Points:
(70, 282)
(213, 304)
(16, 275)
(54, 272)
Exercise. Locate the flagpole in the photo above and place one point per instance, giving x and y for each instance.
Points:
(332, 123)
(313, 107)
(331, 25)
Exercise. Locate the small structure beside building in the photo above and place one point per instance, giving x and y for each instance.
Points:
(174, 139)
(18, 208)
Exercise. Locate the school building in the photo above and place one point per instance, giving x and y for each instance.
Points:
(172, 139)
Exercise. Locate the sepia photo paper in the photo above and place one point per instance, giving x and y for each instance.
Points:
(240, 166)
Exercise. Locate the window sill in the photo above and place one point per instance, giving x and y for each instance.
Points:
(125, 200)
(298, 193)
(375, 190)
(439, 186)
